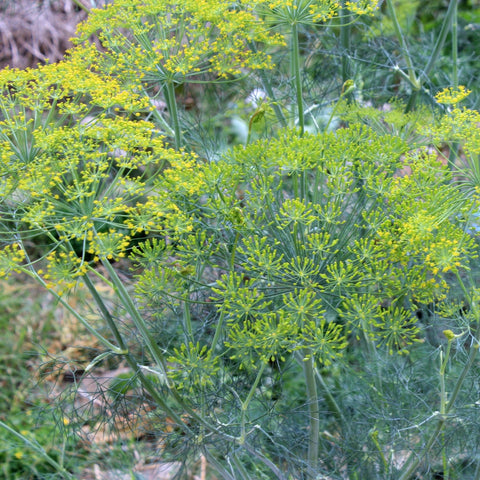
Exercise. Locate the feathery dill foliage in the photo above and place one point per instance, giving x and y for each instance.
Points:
(277, 290)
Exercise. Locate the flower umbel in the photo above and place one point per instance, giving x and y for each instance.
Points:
(452, 96)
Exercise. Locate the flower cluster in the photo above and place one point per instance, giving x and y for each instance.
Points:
(451, 96)
(461, 126)
(63, 271)
(11, 257)
(322, 222)
(363, 7)
(193, 367)
(173, 41)
(302, 12)
(70, 170)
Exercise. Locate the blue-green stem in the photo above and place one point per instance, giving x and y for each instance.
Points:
(79, 4)
(105, 314)
(477, 472)
(246, 403)
(450, 17)
(218, 331)
(242, 471)
(437, 49)
(212, 460)
(270, 92)
(39, 450)
(455, 146)
(297, 78)
(308, 364)
(137, 319)
(187, 319)
(406, 54)
(329, 398)
(146, 383)
(234, 250)
(157, 354)
(454, 21)
(443, 405)
(345, 29)
(171, 100)
(115, 349)
(347, 87)
(254, 452)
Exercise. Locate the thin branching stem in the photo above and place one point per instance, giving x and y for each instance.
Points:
(171, 100)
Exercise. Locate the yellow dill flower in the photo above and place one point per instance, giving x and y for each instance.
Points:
(451, 96)
(304, 12)
(11, 257)
(460, 125)
(111, 245)
(363, 7)
(63, 271)
(171, 40)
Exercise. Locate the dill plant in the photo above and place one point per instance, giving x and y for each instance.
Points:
(275, 291)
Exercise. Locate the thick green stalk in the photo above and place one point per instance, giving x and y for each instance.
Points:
(345, 29)
(171, 100)
(297, 78)
(247, 401)
(137, 319)
(314, 412)
(329, 398)
(450, 16)
(454, 21)
(406, 54)
(115, 349)
(437, 49)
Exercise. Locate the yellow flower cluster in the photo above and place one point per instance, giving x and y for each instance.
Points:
(460, 125)
(11, 256)
(451, 96)
(363, 7)
(175, 40)
(110, 245)
(305, 12)
(63, 271)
